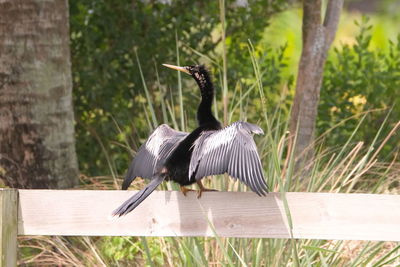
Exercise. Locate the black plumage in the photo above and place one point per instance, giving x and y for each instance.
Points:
(186, 158)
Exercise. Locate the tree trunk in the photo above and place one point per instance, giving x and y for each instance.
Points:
(317, 39)
(37, 146)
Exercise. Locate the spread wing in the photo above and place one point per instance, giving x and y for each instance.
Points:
(230, 150)
(153, 153)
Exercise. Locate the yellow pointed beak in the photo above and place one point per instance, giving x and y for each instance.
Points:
(177, 68)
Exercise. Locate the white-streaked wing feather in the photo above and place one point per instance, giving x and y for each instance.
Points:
(230, 150)
(153, 153)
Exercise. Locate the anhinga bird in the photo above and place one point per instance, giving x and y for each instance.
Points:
(186, 158)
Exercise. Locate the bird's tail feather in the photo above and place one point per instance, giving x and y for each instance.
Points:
(136, 199)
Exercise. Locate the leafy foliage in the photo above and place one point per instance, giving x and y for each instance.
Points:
(358, 80)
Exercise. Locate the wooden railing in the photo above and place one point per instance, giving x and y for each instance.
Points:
(166, 213)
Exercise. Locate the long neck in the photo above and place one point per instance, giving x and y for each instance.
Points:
(204, 114)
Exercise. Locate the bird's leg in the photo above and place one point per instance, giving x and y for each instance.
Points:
(184, 190)
(203, 189)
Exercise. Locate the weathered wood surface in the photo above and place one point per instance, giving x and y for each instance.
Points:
(233, 214)
(8, 227)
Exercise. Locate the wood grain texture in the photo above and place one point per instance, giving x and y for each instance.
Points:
(233, 214)
(8, 227)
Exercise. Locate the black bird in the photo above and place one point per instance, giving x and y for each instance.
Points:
(186, 158)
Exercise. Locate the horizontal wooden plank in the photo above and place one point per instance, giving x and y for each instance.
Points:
(233, 214)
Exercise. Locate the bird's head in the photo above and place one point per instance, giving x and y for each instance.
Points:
(198, 72)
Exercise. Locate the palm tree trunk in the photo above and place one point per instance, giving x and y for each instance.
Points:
(37, 145)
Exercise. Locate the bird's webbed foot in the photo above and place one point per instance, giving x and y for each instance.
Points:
(203, 189)
(184, 190)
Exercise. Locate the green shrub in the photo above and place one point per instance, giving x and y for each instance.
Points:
(358, 80)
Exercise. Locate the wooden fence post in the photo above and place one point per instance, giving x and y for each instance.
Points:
(8, 227)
